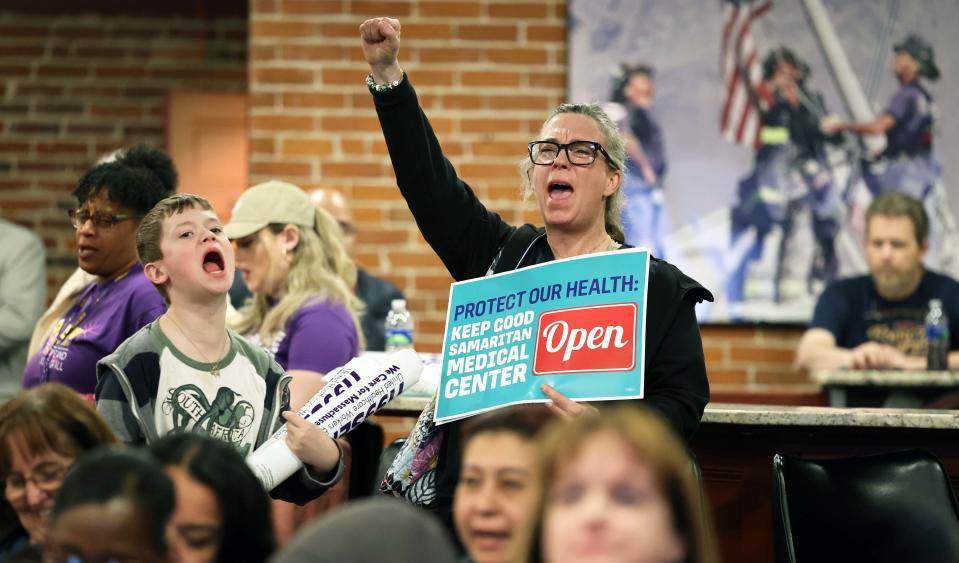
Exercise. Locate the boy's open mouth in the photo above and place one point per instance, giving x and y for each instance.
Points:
(213, 262)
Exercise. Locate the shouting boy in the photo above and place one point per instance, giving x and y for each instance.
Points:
(186, 372)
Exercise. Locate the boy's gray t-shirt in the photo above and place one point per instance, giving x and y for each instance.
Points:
(190, 398)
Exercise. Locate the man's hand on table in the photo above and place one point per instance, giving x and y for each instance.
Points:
(873, 355)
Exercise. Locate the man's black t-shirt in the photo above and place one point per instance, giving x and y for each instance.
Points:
(854, 313)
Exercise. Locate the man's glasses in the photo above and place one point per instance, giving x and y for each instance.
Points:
(580, 153)
(79, 217)
(46, 477)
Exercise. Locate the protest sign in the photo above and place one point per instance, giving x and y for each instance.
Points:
(576, 324)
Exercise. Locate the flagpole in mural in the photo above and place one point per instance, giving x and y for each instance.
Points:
(850, 90)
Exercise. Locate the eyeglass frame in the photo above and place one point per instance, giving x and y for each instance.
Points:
(565, 147)
(78, 220)
(49, 483)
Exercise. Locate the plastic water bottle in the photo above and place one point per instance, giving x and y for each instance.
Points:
(937, 334)
(399, 327)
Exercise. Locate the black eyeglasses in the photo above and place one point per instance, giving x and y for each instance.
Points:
(580, 153)
(78, 217)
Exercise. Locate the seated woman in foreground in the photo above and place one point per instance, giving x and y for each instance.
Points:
(42, 431)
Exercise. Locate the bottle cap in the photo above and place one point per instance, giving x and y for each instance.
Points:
(935, 303)
(398, 304)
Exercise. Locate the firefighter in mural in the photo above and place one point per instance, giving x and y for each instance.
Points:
(791, 173)
(632, 100)
(907, 164)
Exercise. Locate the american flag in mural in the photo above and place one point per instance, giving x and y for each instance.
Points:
(740, 70)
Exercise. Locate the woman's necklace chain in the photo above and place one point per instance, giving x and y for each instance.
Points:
(609, 244)
(605, 245)
(215, 371)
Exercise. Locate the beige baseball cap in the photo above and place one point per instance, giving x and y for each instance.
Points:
(270, 202)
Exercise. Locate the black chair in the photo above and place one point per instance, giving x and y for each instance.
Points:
(697, 473)
(366, 445)
(896, 507)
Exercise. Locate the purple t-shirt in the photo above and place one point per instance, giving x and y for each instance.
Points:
(320, 336)
(108, 314)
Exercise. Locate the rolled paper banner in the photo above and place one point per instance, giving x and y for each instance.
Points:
(273, 463)
(334, 381)
(352, 394)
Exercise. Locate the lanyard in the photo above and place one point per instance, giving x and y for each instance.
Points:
(72, 320)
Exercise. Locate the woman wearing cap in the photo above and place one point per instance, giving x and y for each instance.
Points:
(303, 309)
(574, 171)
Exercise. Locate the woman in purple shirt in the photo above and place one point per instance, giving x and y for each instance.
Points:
(303, 309)
(112, 197)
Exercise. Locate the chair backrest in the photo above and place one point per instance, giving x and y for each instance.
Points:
(697, 473)
(889, 507)
(366, 447)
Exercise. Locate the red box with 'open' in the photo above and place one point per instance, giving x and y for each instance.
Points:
(590, 338)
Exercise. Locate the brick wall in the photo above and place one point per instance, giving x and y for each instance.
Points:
(77, 86)
(755, 359)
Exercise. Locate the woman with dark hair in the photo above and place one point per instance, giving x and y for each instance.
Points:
(42, 431)
(114, 506)
(495, 492)
(222, 512)
(112, 197)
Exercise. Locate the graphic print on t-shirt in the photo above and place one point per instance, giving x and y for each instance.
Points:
(58, 346)
(902, 328)
(227, 417)
(228, 407)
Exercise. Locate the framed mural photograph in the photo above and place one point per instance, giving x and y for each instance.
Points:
(748, 167)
